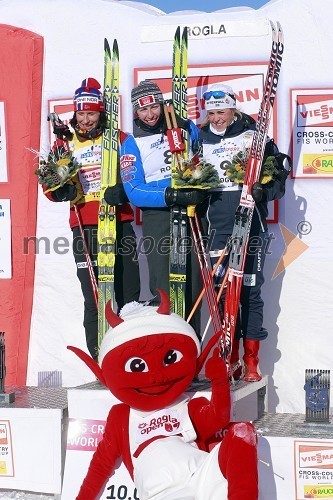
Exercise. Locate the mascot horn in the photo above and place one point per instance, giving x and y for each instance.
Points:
(147, 359)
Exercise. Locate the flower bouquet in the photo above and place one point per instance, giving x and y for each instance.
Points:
(235, 169)
(56, 170)
(195, 172)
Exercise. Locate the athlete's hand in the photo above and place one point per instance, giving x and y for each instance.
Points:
(184, 197)
(115, 195)
(68, 192)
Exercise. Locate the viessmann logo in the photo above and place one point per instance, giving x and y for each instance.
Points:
(315, 457)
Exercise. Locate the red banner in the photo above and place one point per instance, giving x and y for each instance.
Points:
(21, 62)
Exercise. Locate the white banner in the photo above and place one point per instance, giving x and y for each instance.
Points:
(158, 33)
(3, 145)
(5, 240)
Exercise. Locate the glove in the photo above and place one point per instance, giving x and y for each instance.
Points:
(284, 165)
(282, 175)
(68, 192)
(257, 192)
(115, 195)
(184, 197)
(216, 369)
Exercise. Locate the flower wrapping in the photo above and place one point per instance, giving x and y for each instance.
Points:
(57, 169)
(195, 172)
(235, 169)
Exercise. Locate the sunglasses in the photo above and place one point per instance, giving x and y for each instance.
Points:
(217, 94)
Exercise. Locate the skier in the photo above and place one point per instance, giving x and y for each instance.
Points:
(145, 167)
(85, 145)
(226, 134)
(147, 360)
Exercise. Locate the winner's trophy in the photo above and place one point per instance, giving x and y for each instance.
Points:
(317, 396)
(8, 397)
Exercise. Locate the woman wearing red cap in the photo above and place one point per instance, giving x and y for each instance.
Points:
(83, 191)
(226, 135)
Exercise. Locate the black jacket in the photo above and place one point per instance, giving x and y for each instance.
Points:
(273, 190)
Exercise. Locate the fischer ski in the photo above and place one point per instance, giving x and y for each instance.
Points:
(178, 141)
(106, 233)
(178, 215)
(244, 213)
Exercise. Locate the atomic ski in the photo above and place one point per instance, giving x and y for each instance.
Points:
(178, 231)
(106, 233)
(244, 213)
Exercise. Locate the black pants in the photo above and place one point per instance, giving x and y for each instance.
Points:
(250, 317)
(127, 277)
(156, 234)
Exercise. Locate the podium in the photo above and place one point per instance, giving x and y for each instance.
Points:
(32, 439)
(88, 407)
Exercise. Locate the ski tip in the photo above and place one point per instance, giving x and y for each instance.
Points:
(177, 34)
(185, 34)
(106, 44)
(273, 28)
(115, 48)
(279, 27)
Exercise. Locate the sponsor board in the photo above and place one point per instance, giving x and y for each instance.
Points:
(313, 469)
(6, 450)
(246, 79)
(312, 132)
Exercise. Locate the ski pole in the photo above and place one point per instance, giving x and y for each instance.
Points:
(87, 256)
(202, 293)
(206, 273)
(218, 300)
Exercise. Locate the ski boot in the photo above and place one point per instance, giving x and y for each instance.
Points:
(251, 360)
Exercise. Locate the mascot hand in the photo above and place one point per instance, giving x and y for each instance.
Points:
(216, 369)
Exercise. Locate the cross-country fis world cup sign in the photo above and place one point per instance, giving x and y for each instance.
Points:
(312, 130)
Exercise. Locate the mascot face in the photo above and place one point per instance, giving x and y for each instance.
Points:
(148, 357)
(151, 372)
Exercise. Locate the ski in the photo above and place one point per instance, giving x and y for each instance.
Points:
(244, 213)
(106, 233)
(178, 215)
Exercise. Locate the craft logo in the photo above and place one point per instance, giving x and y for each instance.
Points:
(317, 164)
(324, 491)
(316, 457)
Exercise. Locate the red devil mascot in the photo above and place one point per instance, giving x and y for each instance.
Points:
(147, 359)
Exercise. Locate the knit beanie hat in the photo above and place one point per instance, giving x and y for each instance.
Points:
(138, 320)
(88, 97)
(146, 93)
(219, 96)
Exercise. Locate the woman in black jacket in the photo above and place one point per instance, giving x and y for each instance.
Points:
(226, 140)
